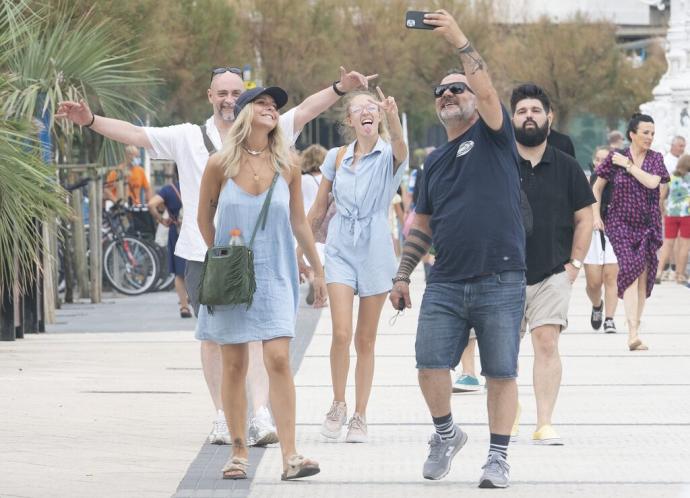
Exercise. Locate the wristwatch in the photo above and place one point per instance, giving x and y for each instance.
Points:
(576, 263)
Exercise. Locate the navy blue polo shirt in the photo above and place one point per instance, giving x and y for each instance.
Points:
(471, 190)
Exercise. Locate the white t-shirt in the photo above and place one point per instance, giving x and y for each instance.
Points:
(184, 144)
(310, 187)
(670, 161)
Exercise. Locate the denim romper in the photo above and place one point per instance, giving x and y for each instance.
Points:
(272, 313)
(359, 248)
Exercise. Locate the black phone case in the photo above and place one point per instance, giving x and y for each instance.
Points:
(414, 19)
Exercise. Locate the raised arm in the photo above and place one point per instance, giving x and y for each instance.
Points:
(390, 108)
(211, 183)
(114, 129)
(321, 101)
(488, 103)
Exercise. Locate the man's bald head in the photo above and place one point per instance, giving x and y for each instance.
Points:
(225, 88)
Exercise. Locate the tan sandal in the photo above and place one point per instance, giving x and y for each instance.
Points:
(236, 468)
(637, 345)
(298, 466)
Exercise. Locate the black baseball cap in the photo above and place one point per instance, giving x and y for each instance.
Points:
(278, 94)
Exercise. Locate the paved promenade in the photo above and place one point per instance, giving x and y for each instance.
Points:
(111, 403)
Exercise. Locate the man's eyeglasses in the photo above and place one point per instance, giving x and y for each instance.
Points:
(220, 70)
(455, 88)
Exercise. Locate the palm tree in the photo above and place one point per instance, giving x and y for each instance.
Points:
(47, 56)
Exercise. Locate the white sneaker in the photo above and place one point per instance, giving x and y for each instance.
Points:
(357, 430)
(262, 431)
(335, 419)
(220, 433)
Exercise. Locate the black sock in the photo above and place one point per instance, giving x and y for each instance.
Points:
(598, 308)
(499, 444)
(444, 426)
(608, 318)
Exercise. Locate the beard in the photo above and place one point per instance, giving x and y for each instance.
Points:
(459, 114)
(227, 114)
(533, 136)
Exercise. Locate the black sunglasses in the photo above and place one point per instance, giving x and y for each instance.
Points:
(221, 70)
(455, 88)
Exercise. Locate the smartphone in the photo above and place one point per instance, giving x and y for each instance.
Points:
(414, 19)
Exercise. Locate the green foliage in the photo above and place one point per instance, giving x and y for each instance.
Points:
(28, 190)
(48, 55)
(68, 57)
(178, 41)
(578, 63)
(300, 44)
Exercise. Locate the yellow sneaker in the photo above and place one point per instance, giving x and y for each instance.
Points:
(515, 431)
(547, 435)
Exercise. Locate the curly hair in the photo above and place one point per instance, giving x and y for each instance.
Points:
(312, 158)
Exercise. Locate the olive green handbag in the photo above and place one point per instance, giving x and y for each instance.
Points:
(227, 276)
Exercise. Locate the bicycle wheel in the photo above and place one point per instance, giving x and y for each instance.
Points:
(166, 279)
(130, 266)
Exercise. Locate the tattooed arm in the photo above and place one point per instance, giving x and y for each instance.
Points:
(488, 103)
(211, 182)
(417, 244)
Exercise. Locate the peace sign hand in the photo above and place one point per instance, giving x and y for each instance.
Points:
(387, 104)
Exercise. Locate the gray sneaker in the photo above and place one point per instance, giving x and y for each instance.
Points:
(496, 472)
(441, 453)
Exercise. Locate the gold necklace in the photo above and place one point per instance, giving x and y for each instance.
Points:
(252, 152)
(256, 175)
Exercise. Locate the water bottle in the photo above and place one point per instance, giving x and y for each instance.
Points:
(236, 237)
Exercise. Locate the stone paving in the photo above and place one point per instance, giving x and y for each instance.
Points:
(111, 402)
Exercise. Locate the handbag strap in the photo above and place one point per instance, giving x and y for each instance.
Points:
(207, 140)
(263, 215)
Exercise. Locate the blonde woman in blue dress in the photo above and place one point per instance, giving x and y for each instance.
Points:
(359, 250)
(234, 185)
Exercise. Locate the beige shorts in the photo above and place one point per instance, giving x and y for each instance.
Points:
(546, 303)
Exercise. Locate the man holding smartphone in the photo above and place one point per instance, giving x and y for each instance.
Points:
(471, 200)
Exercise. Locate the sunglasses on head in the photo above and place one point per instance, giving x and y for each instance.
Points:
(455, 88)
(221, 70)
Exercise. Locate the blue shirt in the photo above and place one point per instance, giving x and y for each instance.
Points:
(471, 190)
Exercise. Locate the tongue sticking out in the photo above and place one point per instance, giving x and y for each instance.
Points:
(368, 128)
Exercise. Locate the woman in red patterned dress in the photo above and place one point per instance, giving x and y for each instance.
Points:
(633, 221)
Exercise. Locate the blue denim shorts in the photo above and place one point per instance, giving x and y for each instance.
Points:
(493, 305)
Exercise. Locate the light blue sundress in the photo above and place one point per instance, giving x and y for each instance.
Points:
(272, 313)
(359, 247)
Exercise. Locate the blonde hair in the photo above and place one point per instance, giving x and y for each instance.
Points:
(312, 158)
(682, 166)
(347, 131)
(231, 153)
(132, 149)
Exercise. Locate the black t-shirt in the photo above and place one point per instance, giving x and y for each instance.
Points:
(561, 141)
(471, 190)
(556, 188)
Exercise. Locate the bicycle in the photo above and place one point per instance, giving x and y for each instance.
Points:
(130, 264)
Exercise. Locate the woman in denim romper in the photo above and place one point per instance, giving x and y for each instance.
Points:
(359, 250)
